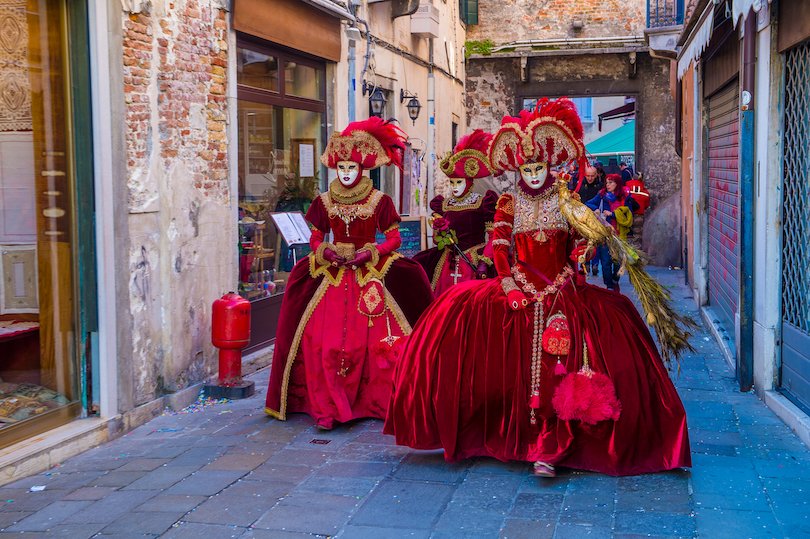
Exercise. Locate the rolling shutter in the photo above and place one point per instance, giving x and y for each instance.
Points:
(724, 180)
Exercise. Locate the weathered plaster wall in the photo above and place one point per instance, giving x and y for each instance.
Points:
(503, 21)
(494, 89)
(182, 235)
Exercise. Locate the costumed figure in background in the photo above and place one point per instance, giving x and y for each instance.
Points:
(347, 305)
(462, 223)
(537, 365)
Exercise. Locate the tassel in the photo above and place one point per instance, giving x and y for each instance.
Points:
(559, 369)
(534, 401)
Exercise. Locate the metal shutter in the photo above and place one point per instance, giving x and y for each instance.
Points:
(724, 180)
(795, 374)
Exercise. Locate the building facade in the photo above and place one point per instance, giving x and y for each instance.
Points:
(743, 80)
(151, 170)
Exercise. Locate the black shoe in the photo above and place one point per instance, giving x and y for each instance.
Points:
(595, 270)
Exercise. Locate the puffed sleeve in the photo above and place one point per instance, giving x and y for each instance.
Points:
(437, 204)
(386, 215)
(318, 216)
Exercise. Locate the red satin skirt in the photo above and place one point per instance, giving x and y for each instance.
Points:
(462, 384)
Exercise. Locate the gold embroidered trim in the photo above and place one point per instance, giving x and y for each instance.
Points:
(434, 282)
(319, 253)
(375, 253)
(510, 136)
(549, 217)
(373, 273)
(507, 243)
(348, 212)
(360, 141)
(501, 223)
(316, 270)
(399, 316)
(506, 204)
(299, 332)
(489, 226)
(272, 413)
(471, 201)
(350, 195)
(472, 165)
(390, 228)
(508, 284)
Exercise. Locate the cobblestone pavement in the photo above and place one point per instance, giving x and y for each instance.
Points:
(229, 471)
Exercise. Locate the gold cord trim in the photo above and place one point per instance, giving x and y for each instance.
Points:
(373, 272)
(399, 316)
(437, 271)
(299, 332)
(390, 228)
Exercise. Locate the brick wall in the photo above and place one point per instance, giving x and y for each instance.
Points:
(174, 76)
(503, 21)
(182, 231)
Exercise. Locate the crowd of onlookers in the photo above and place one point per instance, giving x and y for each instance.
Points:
(617, 195)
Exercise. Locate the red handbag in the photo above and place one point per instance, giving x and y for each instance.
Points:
(556, 336)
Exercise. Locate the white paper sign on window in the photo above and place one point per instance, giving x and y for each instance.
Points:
(306, 160)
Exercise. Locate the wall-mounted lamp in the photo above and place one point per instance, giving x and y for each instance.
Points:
(413, 105)
(353, 33)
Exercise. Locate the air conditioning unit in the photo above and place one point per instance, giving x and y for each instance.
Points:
(425, 22)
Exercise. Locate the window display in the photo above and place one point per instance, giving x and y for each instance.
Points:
(281, 132)
(38, 360)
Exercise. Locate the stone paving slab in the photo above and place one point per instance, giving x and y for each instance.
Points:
(229, 471)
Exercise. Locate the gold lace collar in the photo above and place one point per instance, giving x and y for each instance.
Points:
(350, 195)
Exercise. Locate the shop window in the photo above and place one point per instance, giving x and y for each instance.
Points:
(256, 70)
(282, 128)
(38, 362)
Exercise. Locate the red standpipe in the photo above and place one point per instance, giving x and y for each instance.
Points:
(230, 332)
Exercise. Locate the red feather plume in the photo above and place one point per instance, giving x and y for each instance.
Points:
(391, 137)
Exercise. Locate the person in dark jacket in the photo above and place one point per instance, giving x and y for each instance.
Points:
(605, 204)
(588, 190)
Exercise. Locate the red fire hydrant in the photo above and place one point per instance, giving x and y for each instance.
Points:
(230, 332)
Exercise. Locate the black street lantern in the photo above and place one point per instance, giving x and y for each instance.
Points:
(413, 105)
(378, 102)
(413, 109)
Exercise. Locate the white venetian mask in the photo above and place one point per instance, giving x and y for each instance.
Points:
(347, 172)
(534, 174)
(458, 186)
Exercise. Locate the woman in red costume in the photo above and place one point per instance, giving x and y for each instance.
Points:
(470, 215)
(534, 365)
(348, 304)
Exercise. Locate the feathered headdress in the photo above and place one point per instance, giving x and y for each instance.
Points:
(551, 133)
(469, 158)
(372, 143)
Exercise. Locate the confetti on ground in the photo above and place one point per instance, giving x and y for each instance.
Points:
(199, 405)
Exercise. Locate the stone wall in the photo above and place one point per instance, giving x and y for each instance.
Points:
(495, 88)
(182, 231)
(503, 21)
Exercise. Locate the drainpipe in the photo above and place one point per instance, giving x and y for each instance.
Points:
(351, 81)
(747, 205)
(431, 136)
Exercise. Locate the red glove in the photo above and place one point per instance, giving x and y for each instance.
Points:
(517, 300)
(579, 250)
(333, 258)
(481, 272)
(360, 258)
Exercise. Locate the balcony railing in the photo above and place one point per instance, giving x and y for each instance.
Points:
(664, 13)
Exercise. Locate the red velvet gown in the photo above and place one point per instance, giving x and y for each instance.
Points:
(471, 217)
(340, 328)
(464, 378)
